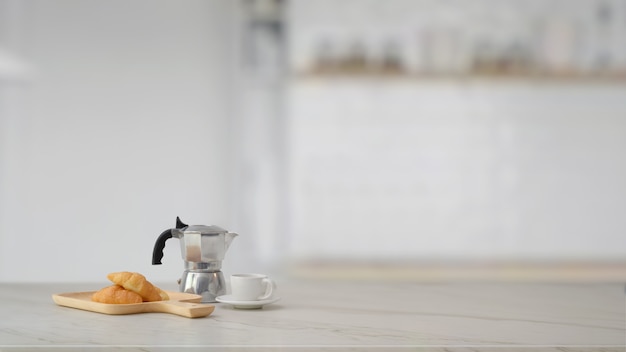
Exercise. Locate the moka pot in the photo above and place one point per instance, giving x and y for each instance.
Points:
(202, 248)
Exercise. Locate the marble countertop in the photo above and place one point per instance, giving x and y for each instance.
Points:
(338, 315)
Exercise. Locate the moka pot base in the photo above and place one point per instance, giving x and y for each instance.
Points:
(209, 285)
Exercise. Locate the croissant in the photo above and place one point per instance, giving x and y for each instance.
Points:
(137, 283)
(117, 295)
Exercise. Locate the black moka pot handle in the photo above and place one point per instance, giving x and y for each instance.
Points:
(157, 253)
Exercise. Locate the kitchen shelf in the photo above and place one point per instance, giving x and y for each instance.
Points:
(530, 77)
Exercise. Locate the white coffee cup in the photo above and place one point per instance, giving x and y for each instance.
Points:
(251, 287)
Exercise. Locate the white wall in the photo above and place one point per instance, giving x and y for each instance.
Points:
(123, 126)
(129, 119)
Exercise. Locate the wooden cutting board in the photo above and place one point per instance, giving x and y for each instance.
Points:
(183, 304)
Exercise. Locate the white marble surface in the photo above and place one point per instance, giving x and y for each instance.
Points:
(336, 315)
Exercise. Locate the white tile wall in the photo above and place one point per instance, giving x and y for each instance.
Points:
(399, 169)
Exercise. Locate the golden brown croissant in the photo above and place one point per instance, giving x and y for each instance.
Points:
(117, 295)
(137, 283)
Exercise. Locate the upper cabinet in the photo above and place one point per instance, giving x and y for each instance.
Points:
(425, 39)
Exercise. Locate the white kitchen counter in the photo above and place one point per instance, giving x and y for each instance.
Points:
(339, 315)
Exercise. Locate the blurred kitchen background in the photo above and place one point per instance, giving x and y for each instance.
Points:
(416, 139)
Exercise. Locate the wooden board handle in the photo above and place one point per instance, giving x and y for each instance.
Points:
(185, 309)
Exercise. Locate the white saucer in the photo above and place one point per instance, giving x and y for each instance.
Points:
(229, 299)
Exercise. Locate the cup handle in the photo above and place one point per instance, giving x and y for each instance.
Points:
(270, 286)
